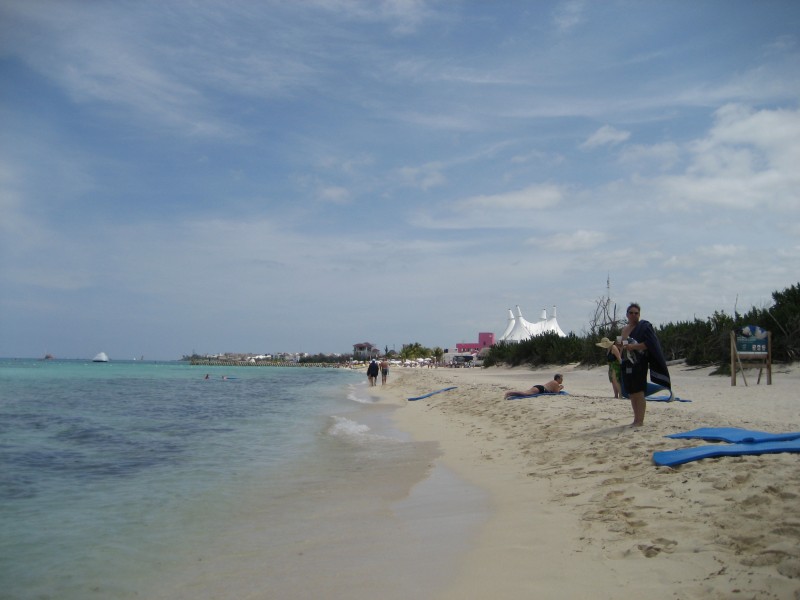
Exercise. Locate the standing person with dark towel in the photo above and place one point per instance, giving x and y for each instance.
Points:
(641, 351)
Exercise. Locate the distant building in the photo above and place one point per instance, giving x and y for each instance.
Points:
(518, 329)
(365, 351)
(485, 340)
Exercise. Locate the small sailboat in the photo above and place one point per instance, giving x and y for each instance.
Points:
(101, 357)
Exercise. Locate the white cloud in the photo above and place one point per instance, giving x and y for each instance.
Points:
(576, 241)
(335, 195)
(454, 121)
(404, 16)
(534, 197)
(605, 136)
(661, 157)
(747, 162)
(568, 14)
(523, 209)
(722, 250)
(773, 133)
(424, 177)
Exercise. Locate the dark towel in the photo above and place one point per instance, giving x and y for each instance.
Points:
(644, 332)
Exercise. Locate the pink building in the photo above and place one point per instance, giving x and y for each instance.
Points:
(485, 340)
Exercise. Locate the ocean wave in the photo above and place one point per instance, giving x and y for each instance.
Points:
(345, 428)
(358, 393)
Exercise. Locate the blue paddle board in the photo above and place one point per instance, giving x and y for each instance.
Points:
(671, 458)
(447, 389)
(734, 435)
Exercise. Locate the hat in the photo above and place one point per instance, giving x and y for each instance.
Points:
(605, 343)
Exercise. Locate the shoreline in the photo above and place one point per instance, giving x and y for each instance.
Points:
(577, 506)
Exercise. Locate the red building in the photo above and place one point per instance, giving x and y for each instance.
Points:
(485, 340)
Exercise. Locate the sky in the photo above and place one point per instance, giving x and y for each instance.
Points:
(198, 176)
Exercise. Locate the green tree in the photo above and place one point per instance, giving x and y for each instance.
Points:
(437, 353)
(414, 351)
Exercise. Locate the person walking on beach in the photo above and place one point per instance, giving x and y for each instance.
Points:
(554, 386)
(614, 359)
(641, 351)
(372, 373)
(384, 371)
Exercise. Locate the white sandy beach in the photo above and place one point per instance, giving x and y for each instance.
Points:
(579, 509)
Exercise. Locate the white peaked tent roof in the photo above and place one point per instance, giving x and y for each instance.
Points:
(519, 329)
(552, 325)
(509, 326)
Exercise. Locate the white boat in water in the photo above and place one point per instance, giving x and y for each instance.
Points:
(101, 357)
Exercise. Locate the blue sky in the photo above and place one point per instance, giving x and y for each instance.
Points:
(302, 176)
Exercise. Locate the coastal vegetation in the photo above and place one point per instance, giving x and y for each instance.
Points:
(417, 350)
(700, 342)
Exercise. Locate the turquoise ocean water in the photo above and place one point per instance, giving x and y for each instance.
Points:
(146, 480)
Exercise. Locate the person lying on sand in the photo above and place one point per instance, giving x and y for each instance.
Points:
(554, 386)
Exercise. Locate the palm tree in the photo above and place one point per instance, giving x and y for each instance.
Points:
(414, 351)
(438, 353)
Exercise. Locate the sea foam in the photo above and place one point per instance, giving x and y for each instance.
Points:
(342, 427)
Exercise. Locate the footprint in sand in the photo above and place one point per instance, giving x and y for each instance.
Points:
(790, 568)
(657, 547)
(755, 501)
(776, 491)
(763, 559)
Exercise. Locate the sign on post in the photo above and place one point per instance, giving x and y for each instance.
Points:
(751, 347)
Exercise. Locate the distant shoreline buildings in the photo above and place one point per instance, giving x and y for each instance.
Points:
(517, 329)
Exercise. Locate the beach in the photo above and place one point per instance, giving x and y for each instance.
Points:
(577, 507)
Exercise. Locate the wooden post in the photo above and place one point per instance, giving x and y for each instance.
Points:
(768, 364)
(736, 361)
(733, 358)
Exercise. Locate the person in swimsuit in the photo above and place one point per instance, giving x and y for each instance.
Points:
(614, 359)
(554, 386)
(384, 371)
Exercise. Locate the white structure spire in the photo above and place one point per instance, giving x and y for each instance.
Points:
(518, 329)
(509, 325)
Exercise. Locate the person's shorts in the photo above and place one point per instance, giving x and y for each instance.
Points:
(540, 388)
(614, 373)
(634, 376)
